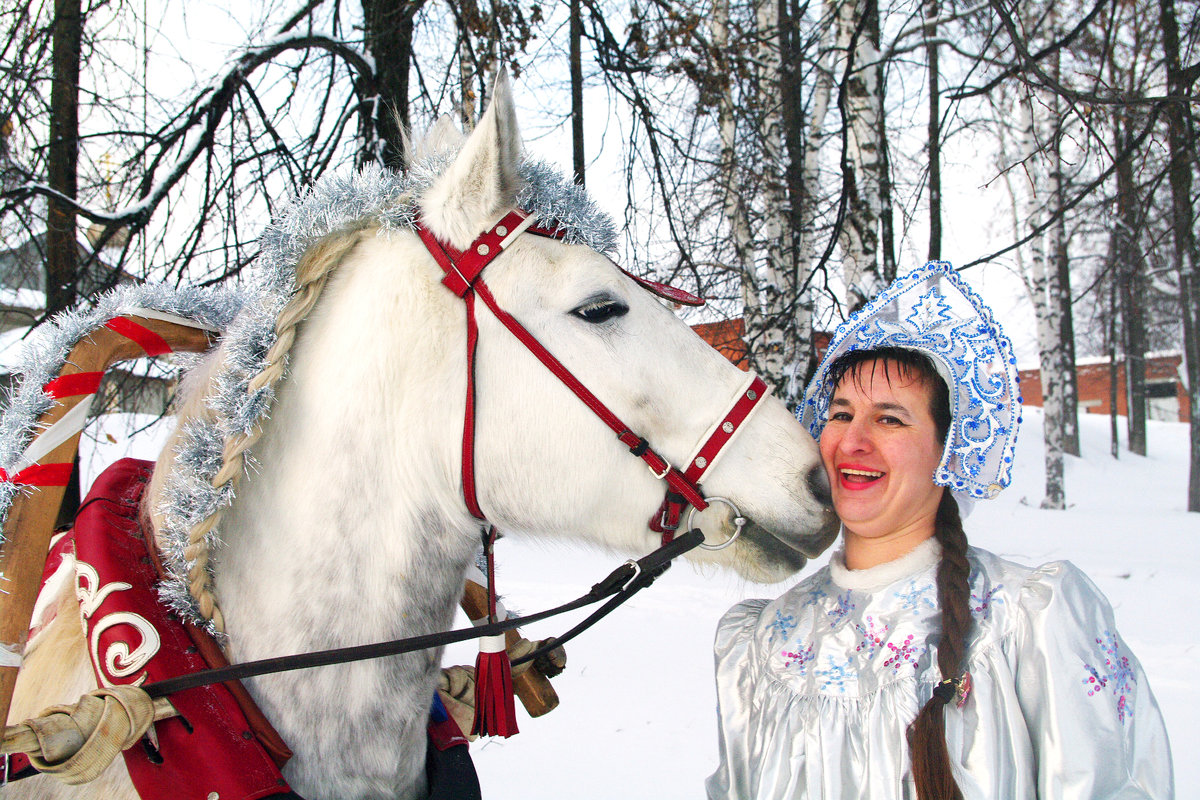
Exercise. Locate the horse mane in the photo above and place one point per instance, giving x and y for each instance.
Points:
(217, 432)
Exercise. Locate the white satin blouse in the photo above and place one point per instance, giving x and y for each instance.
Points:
(816, 688)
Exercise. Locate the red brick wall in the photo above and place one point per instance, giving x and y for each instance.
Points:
(726, 337)
(1094, 387)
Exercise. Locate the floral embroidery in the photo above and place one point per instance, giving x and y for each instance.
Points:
(781, 626)
(904, 653)
(800, 659)
(837, 676)
(982, 606)
(871, 637)
(1117, 670)
(838, 614)
(915, 597)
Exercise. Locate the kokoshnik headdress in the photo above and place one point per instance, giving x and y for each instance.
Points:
(933, 311)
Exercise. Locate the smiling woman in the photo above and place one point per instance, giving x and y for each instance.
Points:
(887, 420)
(915, 665)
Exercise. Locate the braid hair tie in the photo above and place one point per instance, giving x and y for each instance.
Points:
(950, 687)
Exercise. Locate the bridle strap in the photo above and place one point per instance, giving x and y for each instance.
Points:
(463, 271)
(666, 521)
(636, 444)
(713, 446)
(468, 443)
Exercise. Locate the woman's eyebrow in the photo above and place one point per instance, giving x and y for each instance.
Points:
(886, 406)
(882, 405)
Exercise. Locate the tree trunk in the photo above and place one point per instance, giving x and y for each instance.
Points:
(822, 92)
(1043, 283)
(771, 347)
(1057, 246)
(862, 104)
(1182, 149)
(733, 201)
(388, 31)
(935, 132)
(1132, 290)
(798, 308)
(887, 233)
(1113, 377)
(577, 92)
(62, 248)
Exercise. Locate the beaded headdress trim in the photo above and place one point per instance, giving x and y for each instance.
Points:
(933, 311)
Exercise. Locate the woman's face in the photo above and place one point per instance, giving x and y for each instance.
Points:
(880, 448)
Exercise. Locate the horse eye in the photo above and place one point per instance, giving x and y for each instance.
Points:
(596, 311)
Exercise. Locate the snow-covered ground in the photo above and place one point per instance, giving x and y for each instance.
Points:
(638, 716)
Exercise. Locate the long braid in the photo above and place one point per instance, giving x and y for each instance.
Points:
(927, 733)
(312, 273)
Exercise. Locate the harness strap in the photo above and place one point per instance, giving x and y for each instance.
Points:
(468, 442)
(708, 452)
(463, 275)
(463, 271)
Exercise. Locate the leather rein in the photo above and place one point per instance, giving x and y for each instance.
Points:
(464, 276)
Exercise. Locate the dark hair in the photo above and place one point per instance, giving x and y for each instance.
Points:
(927, 733)
(911, 364)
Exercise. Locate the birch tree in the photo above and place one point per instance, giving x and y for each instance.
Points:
(861, 104)
(1182, 138)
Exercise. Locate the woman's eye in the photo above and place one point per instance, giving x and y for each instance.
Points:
(840, 416)
(598, 311)
(886, 420)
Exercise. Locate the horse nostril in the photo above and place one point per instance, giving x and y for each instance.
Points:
(818, 484)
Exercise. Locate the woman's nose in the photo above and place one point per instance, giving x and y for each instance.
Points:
(856, 438)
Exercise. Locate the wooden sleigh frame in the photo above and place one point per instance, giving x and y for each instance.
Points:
(31, 519)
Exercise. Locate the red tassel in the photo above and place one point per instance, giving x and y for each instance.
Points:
(495, 709)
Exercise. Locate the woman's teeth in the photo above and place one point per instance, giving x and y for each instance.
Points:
(861, 475)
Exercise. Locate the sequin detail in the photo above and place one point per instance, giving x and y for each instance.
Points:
(915, 598)
(1117, 671)
(981, 606)
(837, 675)
(870, 637)
(815, 597)
(799, 660)
(782, 626)
(904, 653)
(837, 615)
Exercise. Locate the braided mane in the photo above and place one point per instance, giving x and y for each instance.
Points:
(214, 443)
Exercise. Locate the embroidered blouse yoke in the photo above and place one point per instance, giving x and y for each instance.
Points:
(816, 688)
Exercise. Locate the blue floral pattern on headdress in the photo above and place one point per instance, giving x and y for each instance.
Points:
(933, 311)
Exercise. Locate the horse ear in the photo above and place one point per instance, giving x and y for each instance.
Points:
(484, 179)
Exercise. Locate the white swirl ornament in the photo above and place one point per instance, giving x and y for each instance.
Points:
(119, 660)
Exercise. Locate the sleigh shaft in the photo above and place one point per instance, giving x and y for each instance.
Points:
(32, 516)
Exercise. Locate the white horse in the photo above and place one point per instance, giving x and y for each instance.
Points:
(351, 526)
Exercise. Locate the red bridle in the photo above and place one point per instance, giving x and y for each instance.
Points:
(463, 277)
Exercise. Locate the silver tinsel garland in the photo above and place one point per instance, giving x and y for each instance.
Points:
(372, 197)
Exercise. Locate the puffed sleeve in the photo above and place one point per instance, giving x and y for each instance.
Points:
(736, 673)
(1095, 727)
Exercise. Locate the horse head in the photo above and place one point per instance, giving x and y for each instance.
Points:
(545, 463)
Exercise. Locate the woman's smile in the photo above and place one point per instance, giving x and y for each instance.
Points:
(855, 477)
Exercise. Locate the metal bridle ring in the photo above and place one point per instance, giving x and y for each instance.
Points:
(738, 522)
